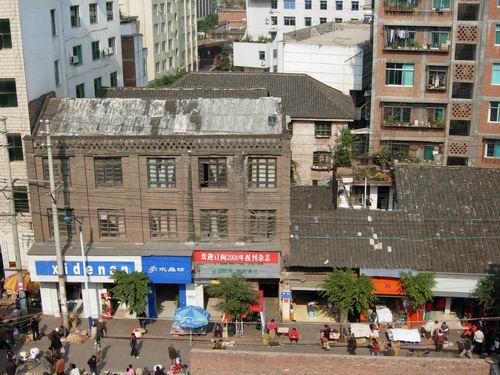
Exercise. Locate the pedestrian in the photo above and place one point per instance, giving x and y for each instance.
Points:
(74, 370)
(59, 366)
(159, 371)
(130, 370)
(439, 341)
(352, 345)
(373, 317)
(92, 362)
(374, 348)
(172, 354)
(446, 330)
(142, 322)
(478, 342)
(55, 343)
(5, 339)
(217, 330)
(325, 337)
(134, 352)
(271, 327)
(294, 335)
(466, 345)
(35, 328)
(389, 351)
(11, 367)
(63, 332)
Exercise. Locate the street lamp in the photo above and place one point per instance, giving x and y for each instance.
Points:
(86, 300)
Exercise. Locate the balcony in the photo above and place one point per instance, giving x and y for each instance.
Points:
(413, 39)
(400, 5)
(396, 115)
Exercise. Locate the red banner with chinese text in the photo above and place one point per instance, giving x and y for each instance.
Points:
(238, 257)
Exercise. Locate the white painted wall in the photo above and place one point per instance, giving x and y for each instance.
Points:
(246, 54)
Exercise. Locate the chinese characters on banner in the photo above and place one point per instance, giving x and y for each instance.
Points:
(239, 257)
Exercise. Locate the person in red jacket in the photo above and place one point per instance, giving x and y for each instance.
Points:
(294, 335)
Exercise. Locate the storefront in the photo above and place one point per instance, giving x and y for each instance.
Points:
(43, 269)
(171, 285)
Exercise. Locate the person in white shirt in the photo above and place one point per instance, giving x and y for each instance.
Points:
(478, 341)
(74, 370)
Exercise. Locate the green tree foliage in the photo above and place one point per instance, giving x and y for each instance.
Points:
(488, 292)
(418, 287)
(345, 148)
(235, 294)
(349, 292)
(166, 79)
(225, 59)
(208, 23)
(131, 289)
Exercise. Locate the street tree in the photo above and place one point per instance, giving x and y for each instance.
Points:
(349, 292)
(235, 295)
(418, 287)
(488, 292)
(131, 289)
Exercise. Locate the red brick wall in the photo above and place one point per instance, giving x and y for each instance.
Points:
(128, 59)
(211, 362)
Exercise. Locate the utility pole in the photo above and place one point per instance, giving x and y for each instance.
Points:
(55, 220)
(15, 234)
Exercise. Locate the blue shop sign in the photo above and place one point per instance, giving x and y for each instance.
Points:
(167, 270)
(75, 268)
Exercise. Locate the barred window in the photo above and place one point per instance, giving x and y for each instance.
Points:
(66, 229)
(262, 225)
(111, 223)
(163, 224)
(161, 173)
(213, 224)
(322, 129)
(262, 172)
(108, 172)
(322, 160)
(15, 146)
(62, 172)
(20, 195)
(213, 172)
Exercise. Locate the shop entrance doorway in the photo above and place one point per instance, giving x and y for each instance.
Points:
(167, 299)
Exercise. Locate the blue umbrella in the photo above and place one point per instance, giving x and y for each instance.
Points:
(191, 317)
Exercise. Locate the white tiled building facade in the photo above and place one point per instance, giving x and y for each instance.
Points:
(169, 28)
(37, 42)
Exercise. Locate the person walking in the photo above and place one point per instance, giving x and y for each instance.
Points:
(134, 352)
(74, 370)
(55, 343)
(478, 342)
(172, 354)
(35, 329)
(92, 362)
(59, 366)
(325, 337)
(446, 330)
(439, 340)
(467, 345)
(352, 345)
(271, 327)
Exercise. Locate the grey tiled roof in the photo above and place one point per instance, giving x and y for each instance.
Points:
(181, 93)
(449, 221)
(302, 95)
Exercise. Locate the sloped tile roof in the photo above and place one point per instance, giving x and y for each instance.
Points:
(180, 93)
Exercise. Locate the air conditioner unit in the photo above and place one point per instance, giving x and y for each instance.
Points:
(110, 50)
(104, 52)
(262, 63)
(74, 60)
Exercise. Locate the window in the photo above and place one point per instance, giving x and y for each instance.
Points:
(307, 21)
(262, 225)
(170, 44)
(53, 26)
(157, 67)
(308, 4)
(436, 77)
(492, 148)
(66, 228)
(497, 34)
(428, 153)
(20, 195)
(289, 21)
(435, 116)
(399, 74)
(322, 160)
(275, 53)
(440, 4)
(322, 129)
(8, 93)
(80, 90)
(111, 44)
(397, 115)
(339, 5)
(5, 36)
(113, 79)
(438, 38)
(15, 144)
(97, 85)
(289, 4)
(354, 5)
(162, 9)
(274, 4)
(156, 28)
(77, 55)
(74, 12)
(157, 48)
(162, 27)
(213, 224)
(111, 223)
(459, 127)
(462, 90)
(262, 55)
(163, 224)
(108, 172)
(155, 9)
(96, 50)
(164, 46)
(110, 16)
(323, 5)
(494, 112)
(261, 172)
(161, 173)
(212, 172)
(322, 20)
(170, 62)
(465, 51)
(93, 13)
(275, 68)
(338, 20)
(62, 172)
(495, 74)
(274, 20)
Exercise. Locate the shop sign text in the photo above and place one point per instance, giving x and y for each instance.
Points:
(239, 257)
(75, 268)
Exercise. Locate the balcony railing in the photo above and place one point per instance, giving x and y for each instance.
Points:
(432, 124)
(400, 5)
(409, 39)
(431, 117)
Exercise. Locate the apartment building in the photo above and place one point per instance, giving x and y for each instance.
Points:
(169, 30)
(205, 8)
(435, 92)
(66, 48)
(158, 182)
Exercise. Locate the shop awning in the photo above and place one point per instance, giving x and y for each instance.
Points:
(386, 286)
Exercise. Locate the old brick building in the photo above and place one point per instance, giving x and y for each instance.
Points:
(435, 90)
(158, 181)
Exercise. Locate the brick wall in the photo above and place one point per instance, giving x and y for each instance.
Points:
(251, 363)
(128, 58)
